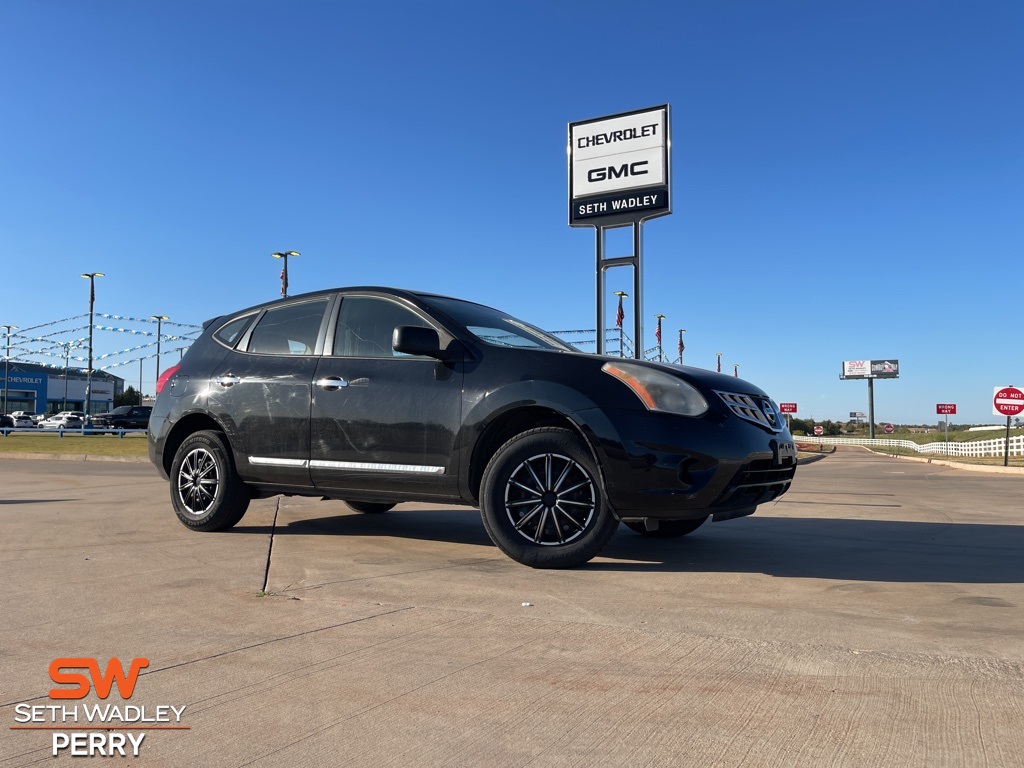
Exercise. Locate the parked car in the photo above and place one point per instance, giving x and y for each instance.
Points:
(21, 421)
(122, 417)
(6, 421)
(63, 420)
(378, 396)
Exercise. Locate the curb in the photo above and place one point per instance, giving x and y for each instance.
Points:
(951, 464)
(969, 467)
(76, 457)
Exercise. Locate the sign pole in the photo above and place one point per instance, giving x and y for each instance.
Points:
(599, 232)
(1006, 446)
(871, 409)
(638, 303)
(947, 436)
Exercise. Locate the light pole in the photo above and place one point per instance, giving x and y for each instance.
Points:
(7, 360)
(159, 321)
(284, 270)
(91, 277)
(736, 370)
(619, 317)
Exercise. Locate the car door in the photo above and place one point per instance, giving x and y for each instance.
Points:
(138, 417)
(261, 392)
(381, 420)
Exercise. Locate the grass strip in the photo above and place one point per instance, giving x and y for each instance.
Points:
(74, 443)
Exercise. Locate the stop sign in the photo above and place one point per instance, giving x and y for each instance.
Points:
(819, 431)
(1008, 401)
(888, 429)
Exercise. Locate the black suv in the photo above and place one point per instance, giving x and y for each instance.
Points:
(378, 396)
(123, 417)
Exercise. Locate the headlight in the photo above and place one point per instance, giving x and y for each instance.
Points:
(657, 390)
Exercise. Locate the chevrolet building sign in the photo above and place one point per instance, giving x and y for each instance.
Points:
(619, 168)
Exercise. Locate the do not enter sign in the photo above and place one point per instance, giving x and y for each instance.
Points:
(1008, 401)
(819, 431)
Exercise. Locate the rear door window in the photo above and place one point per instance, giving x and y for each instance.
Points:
(289, 330)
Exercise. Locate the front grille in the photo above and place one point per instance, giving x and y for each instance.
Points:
(759, 481)
(754, 408)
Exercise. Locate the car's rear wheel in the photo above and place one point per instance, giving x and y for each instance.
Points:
(542, 500)
(206, 491)
(667, 529)
(369, 507)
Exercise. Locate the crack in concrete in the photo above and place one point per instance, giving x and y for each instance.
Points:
(270, 547)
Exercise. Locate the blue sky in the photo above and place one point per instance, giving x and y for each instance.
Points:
(848, 177)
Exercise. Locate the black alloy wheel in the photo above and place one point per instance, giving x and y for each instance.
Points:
(206, 491)
(542, 500)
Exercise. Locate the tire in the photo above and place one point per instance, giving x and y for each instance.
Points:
(369, 507)
(667, 529)
(542, 500)
(206, 491)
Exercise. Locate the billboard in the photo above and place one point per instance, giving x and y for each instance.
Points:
(619, 168)
(870, 369)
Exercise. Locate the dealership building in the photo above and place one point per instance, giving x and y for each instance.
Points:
(48, 389)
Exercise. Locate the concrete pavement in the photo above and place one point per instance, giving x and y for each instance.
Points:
(871, 617)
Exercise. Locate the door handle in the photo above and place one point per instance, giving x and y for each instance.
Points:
(227, 380)
(331, 383)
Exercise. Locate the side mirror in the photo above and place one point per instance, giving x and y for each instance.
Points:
(416, 340)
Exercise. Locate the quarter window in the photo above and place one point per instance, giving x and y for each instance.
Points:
(289, 330)
(230, 332)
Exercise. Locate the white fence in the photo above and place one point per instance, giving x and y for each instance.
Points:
(972, 448)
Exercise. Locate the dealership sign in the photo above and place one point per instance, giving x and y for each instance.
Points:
(871, 369)
(619, 168)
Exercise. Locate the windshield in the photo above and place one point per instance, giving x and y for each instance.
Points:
(494, 327)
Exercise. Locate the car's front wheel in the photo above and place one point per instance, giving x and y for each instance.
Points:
(206, 491)
(542, 500)
(667, 529)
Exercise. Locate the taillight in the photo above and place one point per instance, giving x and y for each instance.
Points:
(165, 377)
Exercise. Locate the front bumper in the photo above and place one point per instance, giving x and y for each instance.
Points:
(668, 467)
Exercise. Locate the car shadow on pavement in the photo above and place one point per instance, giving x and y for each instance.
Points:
(829, 548)
(821, 548)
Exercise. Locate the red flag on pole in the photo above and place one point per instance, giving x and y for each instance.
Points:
(284, 279)
(657, 332)
(681, 345)
(619, 315)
